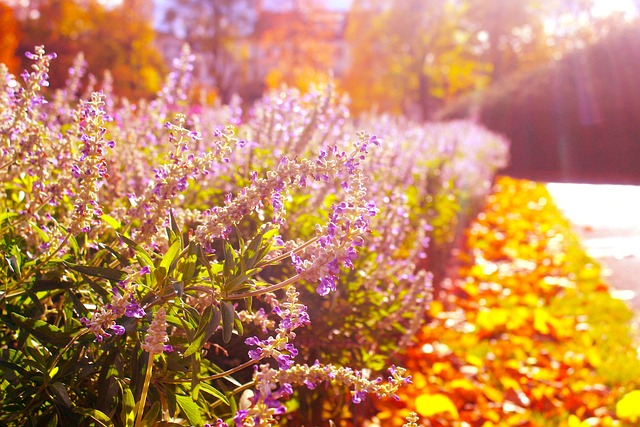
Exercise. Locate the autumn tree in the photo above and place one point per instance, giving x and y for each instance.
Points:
(218, 33)
(299, 43)
(9, 38)
(115, 39)
(410, 55)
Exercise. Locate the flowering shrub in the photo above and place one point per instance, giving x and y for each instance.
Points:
(164, 261)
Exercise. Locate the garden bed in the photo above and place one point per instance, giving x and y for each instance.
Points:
(528, 335)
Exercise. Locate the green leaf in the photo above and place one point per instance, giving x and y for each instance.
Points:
(40, 285)
(96, 415)
(170, 255)
(104, 272)
(43, 331)
(206, 388)
(77, 304)
(95, 287)
(199, 337)
(44, 236)
(143, 255)
(14, 265)
(73, 244)
(113, 223)
(174, 223)
(229, 259)
(228, 315)
(238, 323)
(190, 410)
(237, 282)
(189, 268)
(127, 415)
(6, 215)
(120, 257)
(152, 415)
(60, 391)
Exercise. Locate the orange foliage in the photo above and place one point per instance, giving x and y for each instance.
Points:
(501, 350)
(115, 39)
(9, 37)
(299, 46)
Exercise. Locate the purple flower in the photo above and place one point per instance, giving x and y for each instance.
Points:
(358, 396)
(252, 341)
(310, 385)
(133, 309)
(327, 284)
(284, 361)
(118, 329)
(240, 417)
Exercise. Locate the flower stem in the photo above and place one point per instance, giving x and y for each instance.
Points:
(264, 290)
(145, 390)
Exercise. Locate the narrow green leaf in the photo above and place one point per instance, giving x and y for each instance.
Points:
(95, 287)
(213, 323)
(228, 315)
(199, 337)
(60, 390)
(189, 268)
(113, 223)
(46, 333)
(77, 304)
(128, 414)
(174, 224)
(104, 272)
(152, 415)
(170, 255)
(238, 323)
(13, 367)
(190, 410)
(6, 215)
(120, 257)
(206, 388)
(143, 255)
(96, 415)
(73, 244)
(229, 259)
(237, 282)
(14, 265)
(44, 236)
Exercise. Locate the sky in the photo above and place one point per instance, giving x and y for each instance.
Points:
(602, 7)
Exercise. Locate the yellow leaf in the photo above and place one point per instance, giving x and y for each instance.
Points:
(461, 383)
(541, 321)
(574, 421)
(435, 308)
(628, 407)
(428, 405)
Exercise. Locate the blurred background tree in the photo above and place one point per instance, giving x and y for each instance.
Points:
(409, 54)
(119, 38)
(218, 33)
(9, 38)
(298, 41)
(411, 57)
